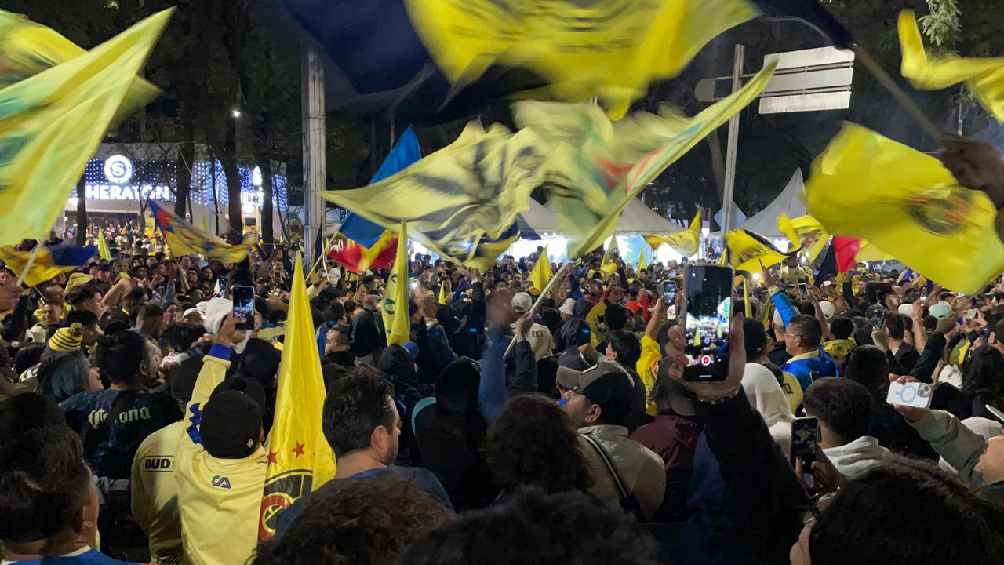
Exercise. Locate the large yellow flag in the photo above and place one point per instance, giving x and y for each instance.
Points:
(804, 232)
(541, 274)
(748, 251)
(52, 122)
(396, 295)
(611, 49)
(185, 239)
(460, 199)
(103, 251)
(983, 75)
(907, 204)
(300, 459)
(598, 167)
(28, 48)
(686, 242)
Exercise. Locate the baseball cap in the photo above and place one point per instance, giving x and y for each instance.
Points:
(522, 302)
(670, 392)
(605, 384)
(940, 310)
(232, 419)
(828, 308)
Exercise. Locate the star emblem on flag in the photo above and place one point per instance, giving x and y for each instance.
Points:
(298, 450)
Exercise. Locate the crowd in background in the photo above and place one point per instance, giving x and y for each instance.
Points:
(135, 418)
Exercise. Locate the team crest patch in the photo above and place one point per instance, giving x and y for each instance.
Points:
(281, 492)
(941, 214)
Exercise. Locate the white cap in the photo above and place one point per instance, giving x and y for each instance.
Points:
(828, 309)
(568, 307)
(522, 302)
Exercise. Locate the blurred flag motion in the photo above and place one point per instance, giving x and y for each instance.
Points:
(185, 239)
(52, 122)
(907, 204)
(428, 59)
(49, 262)
(300, 459)
(751, 252)
(984, 76)
(358, 259)
(804, 232)
(686, 242)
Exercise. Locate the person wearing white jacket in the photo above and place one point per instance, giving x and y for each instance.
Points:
(843, 408)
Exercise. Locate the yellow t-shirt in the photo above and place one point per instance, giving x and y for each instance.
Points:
(220, 499)
(155, 490)
(646, 367)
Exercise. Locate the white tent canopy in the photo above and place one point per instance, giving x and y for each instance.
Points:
(789, 202)
(639, 218)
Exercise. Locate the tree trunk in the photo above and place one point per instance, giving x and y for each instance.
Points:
(81, 212)
(234, 211)
(267, 209)
(186, 160)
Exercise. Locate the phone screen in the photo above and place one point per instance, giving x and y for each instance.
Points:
(669, 288)
(708, 308)
(244, 307)
(804, 439)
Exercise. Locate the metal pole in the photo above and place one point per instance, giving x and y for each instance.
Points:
(731, 154)
(314, 150)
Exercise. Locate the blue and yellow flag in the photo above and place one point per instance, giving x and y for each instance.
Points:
(984, 76)
(52, 122)
(103, 251)
(907, 204)
(394, 307)
(300, 459)
(686, 242)
(611, 50)
(49, 262)
(185, 239)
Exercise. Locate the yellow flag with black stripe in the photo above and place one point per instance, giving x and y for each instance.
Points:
(298, 453)
(28, 48)
(907, 204)
(52, 122)
(984, 76)
(805, 233)
(748, 251)
(611, 50)
(394, 307)
(686, 242)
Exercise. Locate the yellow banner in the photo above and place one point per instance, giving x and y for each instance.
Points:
(686, 242)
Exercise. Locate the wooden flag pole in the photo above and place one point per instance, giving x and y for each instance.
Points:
(30, 263)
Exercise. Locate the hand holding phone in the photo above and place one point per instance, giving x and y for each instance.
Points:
(243, 299)
(707, 311)
(915, 394)
(804, 443)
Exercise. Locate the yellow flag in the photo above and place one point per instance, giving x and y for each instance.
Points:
(443, 298)
(300, 459)
(601, 166)
(28, 48)
(869, 252)
(643, 261)
(541, 273)
(43, 268)
(103, 251)
(907, 204)
(984, 76)
(747, 251)
(608, 265)
(395, 303)
(611, 49)
(460, 197)
(185, 239)
(52, 122)
(686, 242)
(804, 232)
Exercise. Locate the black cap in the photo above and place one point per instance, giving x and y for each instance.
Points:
(232, 419)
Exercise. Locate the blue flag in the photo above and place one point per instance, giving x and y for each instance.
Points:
(405, 152)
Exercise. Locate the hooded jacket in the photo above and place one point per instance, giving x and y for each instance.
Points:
(856, 458)
(766, 396)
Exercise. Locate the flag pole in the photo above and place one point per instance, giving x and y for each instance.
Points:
(897, 92)
(30, 263)
(540, 298)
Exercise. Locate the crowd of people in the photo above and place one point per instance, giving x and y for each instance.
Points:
(136, 417)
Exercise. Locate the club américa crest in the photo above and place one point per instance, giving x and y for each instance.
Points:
(281, 491)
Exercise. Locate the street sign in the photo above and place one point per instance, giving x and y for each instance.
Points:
(808, 80)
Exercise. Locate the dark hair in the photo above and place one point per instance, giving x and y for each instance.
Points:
(843, 405)
(616, 317)
(533, 443)
(807, 328)
(984, 372)
(80, 295)
(119, 356)
(841, 327)
(627, 347)
(534, 528)
(181, 337)
(868, 365)
(354, 407)
(955, 524)
(82, 317)
(367, 521)
(43, 483)
(895, 326)
(151, 311)
(756, 338)
(27, 411)
(334, 312)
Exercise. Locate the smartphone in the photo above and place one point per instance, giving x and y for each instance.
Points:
(803, 287)
(804, 443)
(669, 288)
(243, 297)
(708, 312)
(913, 394)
